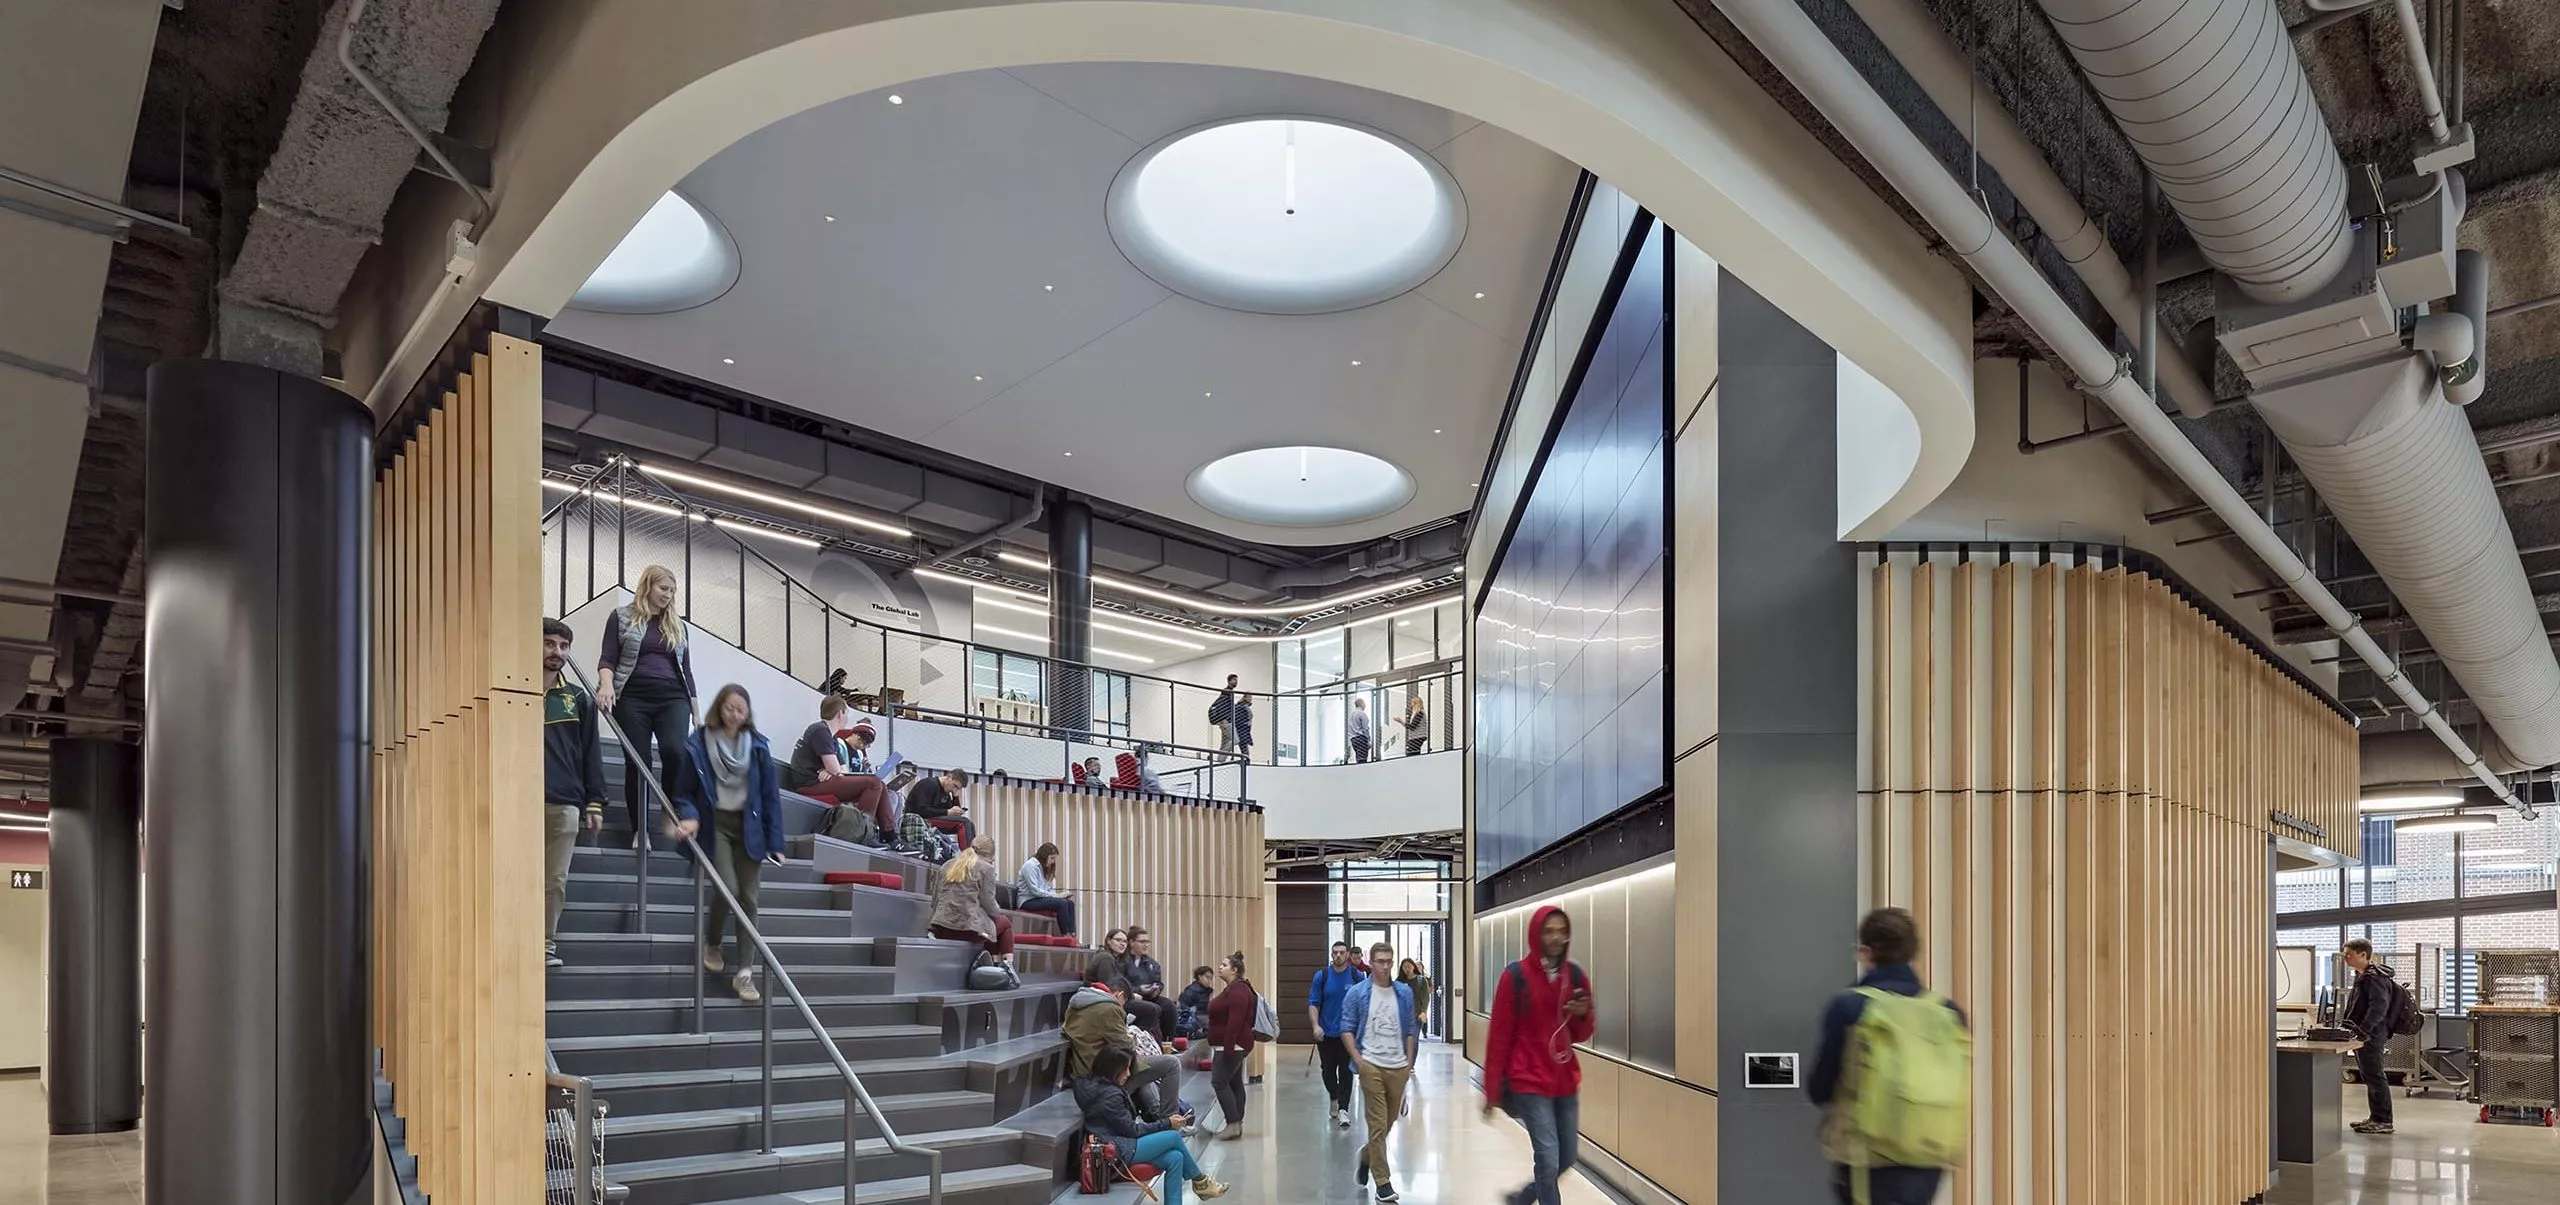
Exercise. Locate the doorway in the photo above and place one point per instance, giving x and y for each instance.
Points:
(1424, 940)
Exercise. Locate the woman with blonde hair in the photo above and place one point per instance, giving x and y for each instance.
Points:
(1417, 725)
(645, 678)
(964, 902)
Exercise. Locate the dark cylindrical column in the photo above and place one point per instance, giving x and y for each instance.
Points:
(254, 776)
(1070, 701)
(93, 1047)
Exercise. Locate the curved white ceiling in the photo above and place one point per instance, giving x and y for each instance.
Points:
(971, 297)
(1301, 486)
(1287, 215)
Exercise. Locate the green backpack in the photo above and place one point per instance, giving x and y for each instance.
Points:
(1906, 1086)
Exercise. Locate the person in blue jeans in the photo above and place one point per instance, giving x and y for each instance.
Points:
(1541, 1009)
(1103, 1097)
(1324, 1013)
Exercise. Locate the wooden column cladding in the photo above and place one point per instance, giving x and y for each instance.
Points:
(457, 739)
(2072, 783)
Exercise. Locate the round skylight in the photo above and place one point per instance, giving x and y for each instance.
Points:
(1287, 215)
(1301, 486)
(676, 258)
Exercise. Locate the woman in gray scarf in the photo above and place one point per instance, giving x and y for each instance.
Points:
(734, 785)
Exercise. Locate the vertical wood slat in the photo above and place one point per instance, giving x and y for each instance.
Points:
(2119, 1011)
(1880, 763)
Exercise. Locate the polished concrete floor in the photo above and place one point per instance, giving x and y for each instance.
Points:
(39, 1169)
(2440, 1152)
(1444, 1151)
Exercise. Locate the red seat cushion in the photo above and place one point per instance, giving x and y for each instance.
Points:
(1143, 1172)
(867, 878)
(947, 824)
(1044, 939)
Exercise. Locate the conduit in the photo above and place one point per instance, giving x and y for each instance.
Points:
(1914, 38)
(1807, 58)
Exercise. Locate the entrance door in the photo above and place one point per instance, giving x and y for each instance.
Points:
(1423, 940)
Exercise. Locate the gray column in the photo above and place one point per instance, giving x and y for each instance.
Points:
(1070, 693)
(255, 765)
(93, 993)
(1786, 745)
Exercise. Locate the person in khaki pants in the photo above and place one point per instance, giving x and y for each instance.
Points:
(1379, 1027)
(572, 777)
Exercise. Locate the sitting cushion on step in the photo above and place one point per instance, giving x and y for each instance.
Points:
(885, 880)
(1143, 1173)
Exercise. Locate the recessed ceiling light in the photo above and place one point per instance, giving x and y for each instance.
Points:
(1355, 363)
(828, 216)
(1479, 296)
(1435, 430)
(1208, 395)
(977, 378)
(896, 99)
(1287, 215)
(1066, 453)
(1472, 484)
(1048, 288)
(727, 360)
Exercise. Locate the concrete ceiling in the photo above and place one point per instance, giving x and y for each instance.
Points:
(960, 205)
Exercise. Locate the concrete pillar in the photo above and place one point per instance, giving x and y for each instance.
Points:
(1070, 688)
(255, 769)
(93, 993)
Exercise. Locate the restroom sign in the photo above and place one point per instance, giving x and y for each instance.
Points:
(26, 880)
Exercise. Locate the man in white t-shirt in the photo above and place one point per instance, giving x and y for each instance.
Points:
(1378, 1026)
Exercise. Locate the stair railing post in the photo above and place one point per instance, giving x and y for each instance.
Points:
(695, 943)
(852, 1138)
(767, 1009)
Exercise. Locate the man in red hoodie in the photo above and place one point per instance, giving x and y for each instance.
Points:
(1541, 1008)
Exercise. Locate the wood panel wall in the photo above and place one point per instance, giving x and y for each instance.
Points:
(2070, 780)
(457, 817)
(1191, 873)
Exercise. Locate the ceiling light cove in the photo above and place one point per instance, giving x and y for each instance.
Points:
(676, 258)
(1287, 215)
(1301, 486)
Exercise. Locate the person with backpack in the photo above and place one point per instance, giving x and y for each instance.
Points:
(1380, 1030)
(1221, 716)
(1894, 1074)
(1103, 1098)
(2378, 1008)
(1324, 1013)
(1233, 1020)
(1541, 1009)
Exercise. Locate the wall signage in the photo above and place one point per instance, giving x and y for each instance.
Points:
(26, 880)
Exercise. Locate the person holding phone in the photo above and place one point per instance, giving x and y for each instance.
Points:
(1102, 1096)
(1541, 1010)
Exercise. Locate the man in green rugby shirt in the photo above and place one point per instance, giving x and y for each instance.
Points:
(572, 776)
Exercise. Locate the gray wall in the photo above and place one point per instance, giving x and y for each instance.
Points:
(1786, 631)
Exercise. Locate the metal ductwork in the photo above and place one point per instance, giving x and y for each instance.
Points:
(2415, 758)
(2214, 101)
(2211, 96)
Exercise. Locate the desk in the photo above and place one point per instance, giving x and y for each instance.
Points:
(2308, 1076)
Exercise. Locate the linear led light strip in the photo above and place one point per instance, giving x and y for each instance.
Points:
(1126, 586)
(993, 599)
(990, 588)
(658, 508)
(988, 627)
(830, 514)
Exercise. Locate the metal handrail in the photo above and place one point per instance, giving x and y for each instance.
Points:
(582, 1130)
(857, 1098)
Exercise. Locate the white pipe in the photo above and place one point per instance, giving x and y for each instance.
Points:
(1800, 50)
(1914, 38)
(2423, 69)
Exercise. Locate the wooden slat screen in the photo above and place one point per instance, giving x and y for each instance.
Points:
(2071, 789)
(457, 735)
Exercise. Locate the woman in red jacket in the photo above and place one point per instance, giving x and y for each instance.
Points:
(1541, 1008)
(1230, 1041)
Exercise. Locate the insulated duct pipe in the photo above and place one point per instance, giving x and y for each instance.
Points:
(1922, 47)
(2215, 102)
(1800, 50)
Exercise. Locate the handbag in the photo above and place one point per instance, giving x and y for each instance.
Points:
(1098, 1167)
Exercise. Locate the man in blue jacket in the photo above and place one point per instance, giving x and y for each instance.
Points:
(1381, 1041)
(1324, 1012)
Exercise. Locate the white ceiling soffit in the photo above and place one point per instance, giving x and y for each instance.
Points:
(969, 294)
(81, 67)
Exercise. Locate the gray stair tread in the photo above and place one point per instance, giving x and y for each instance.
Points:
(815, 1152)
(731, 1037)
(631, 1123)
(918, 1188)
(686, 908)
(782, 1005)
(678, 968)
(687, 939)
(748, 1075)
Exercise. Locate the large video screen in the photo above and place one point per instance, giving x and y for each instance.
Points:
(1569, 660)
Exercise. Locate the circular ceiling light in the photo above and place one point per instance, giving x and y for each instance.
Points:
(1301, 486)
(676, 258)
(1287, 215)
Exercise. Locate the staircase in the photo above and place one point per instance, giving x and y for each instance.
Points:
(955, 1071)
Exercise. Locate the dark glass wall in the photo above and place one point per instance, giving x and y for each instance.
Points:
(1569, 655)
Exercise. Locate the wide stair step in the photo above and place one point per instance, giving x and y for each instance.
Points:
(693, 1179)
(615, 1053)
(981, 1186)
(731, 1129)
(646, 1092)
